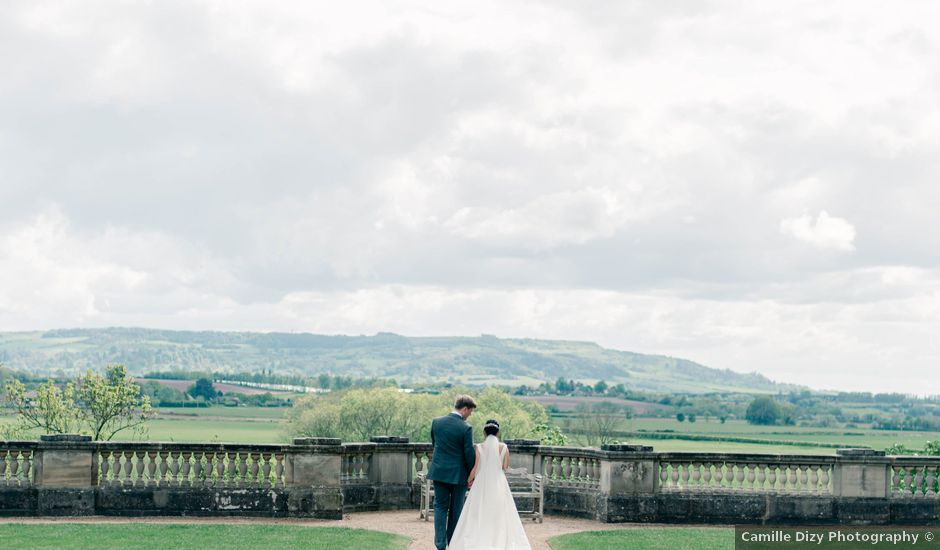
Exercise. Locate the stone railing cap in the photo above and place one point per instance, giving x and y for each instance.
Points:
(622, 448)
(65, 438)
(320, 441)
(859, 452)
(388, 439)
(529, 442)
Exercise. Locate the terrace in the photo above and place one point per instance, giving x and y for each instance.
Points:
(323, 478)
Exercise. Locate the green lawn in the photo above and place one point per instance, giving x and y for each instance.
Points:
(178, 536)
(648, 538)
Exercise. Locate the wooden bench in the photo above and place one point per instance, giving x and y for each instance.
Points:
(522, 485)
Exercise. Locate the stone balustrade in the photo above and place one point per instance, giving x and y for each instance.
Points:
(323, 477)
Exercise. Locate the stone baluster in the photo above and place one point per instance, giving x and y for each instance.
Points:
(139, 480)
(255, 467)
(198, 469)
(174, 468)
(215, 469)
(739, 476)
(719, 475)
(792, 486)
(152, 468)
(707, 474)
(566, 471)
(919, 482)
(751, 476)
(231, 469)
(266, 469)
(242, 469)
(14, 466)
(127, 475)
(278, 469)
(814, 478)
(164, 467)
(185, 467)
(27, 467)
(104, 463)
(695, 474)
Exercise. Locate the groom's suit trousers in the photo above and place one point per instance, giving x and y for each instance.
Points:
(448, 503)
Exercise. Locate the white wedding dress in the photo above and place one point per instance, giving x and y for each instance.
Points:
(489, 520)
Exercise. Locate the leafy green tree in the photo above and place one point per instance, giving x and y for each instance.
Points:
(600, 387)
(691, 419)
(104, 405)
(358, 414)
(53, 410)
(764, 411)
(680, 417)
(549, 435)
(203, 388)
(597, 424)
(111, 403)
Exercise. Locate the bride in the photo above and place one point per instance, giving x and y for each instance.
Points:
(489, 520)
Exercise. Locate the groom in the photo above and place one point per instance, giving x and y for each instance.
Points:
(451, 462)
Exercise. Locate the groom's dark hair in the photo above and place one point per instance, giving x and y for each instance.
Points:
(464, 401)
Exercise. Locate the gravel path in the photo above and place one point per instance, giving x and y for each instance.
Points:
(404, 523)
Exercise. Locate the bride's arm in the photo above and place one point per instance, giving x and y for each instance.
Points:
(506, 460)
(473, 472)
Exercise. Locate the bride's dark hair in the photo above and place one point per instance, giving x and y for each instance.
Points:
(491, 427)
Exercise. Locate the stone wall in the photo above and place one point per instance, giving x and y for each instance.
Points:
(323, 478)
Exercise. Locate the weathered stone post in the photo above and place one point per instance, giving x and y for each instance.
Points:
(628, 483)
(64, 475)
(315, 466)
(392, 474)
(861, 473)
(524, 453)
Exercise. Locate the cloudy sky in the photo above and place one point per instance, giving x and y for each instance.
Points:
(750, 185)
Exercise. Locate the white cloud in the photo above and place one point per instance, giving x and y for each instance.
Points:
(552, 169)
(825, 231)
(569, 217)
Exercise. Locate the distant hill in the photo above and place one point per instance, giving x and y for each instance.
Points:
(476, 360)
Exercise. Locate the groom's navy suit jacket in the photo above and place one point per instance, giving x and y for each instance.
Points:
(453, 454)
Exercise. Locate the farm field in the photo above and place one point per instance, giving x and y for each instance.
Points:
(569, 404)
(847, 437)
(223, 424)
(268, 425)
(183, 385)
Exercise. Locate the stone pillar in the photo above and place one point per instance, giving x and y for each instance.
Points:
(524, 453)
(64, 475)
(861, 473)
(629, 478)
(315, 491)
(392, 472)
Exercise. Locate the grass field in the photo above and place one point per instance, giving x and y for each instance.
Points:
(648, 538)
(65, 536)
(845, 437)
(222, 424)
